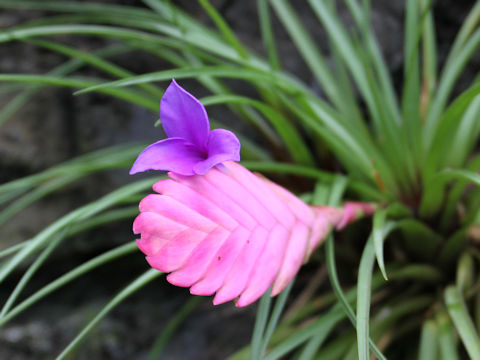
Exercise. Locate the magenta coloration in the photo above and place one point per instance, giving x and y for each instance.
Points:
(232, 233)
(191, 148)
(223, 230)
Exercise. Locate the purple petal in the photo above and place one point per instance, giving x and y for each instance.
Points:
(173, 154)
(183, 116)
(222, 146)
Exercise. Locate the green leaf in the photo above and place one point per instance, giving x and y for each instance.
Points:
(453, 247)
(447, 81)
(418, 272)
(224, 28)
(48, 30)
(446, 337)
(108, 158)
(189, 72)
(275, 316)
(429, 57)
(57, 177)
(172, 326)
(469, 25)
(13, 249)
(364, 283)
(473, 209)
(307, 48)
(107, 217)
(64, 69)
(363, 20)
(463, 323)
(455, 195)
(31, 271)
(68, 277)
(317, 340)
(378, 236)
(380, 231)
(96, 62)
(191, 31)
(124, 94)
(267, 34)
(358, 70)
(420, 239)
(337, 190)
(320, 193)
(80, 214)
(138, 283)
(465, 272)
(465, 136)
(40, 192)
(72, 6)
(332, 273)
(477, 312)
(339, 348)
(411, 76)
(257, 121)
(287, 132)
(442, 144)
(286, 168)
(342, 45)
(259, 328)
(345, 142)
(324, 324)
(428, 341)
(378, 94)
(433, 196)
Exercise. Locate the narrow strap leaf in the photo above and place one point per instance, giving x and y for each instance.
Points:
(259, 328)
(275, 316)
(378, 235)
(287, 132)
(138, 283)
(446, 336)
(363, 299)
(428, 341)
(332, 273)
(462, 321)
(172, 326)
(307, 48)
(31, 271)
(66, 278)
(124, 94)
(447, 81)
(323, 324)
(267, 34)
(79, 214)
(432, 198)
(224, 28)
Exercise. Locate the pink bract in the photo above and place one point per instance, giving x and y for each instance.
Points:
(232, 233)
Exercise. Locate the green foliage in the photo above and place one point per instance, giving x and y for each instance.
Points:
(413, 151)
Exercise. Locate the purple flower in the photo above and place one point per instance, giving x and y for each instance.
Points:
(191, 148)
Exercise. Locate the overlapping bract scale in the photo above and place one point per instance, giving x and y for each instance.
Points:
(231, 232)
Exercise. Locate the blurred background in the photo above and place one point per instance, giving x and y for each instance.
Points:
(55, 126)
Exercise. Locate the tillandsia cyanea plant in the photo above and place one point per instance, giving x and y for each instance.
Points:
(217, 227)
(412, 149)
